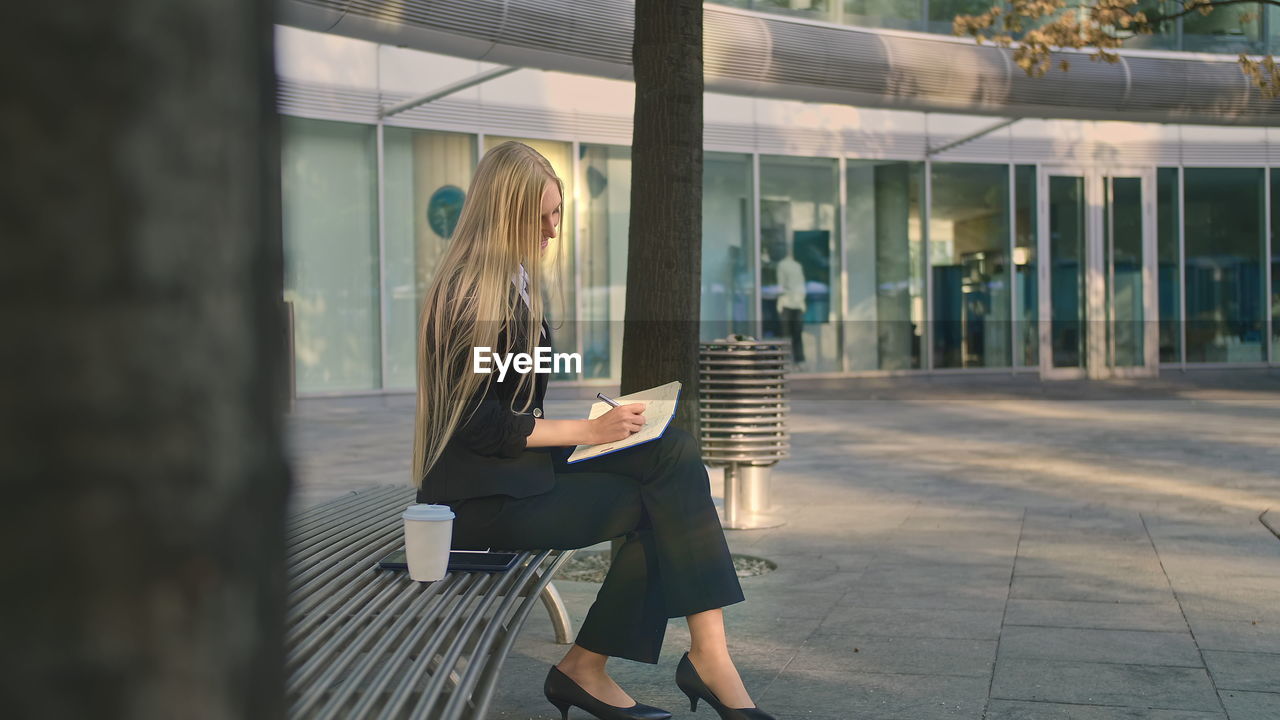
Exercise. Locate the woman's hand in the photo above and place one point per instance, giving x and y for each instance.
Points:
(617, 424)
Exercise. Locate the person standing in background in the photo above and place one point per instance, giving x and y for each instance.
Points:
(791, 305)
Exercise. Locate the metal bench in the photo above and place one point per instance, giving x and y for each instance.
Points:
(368, 643)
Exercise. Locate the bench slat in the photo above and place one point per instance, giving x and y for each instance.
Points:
(421, 664)
(483, 646)
(344, 517)
(305, 521)
(364, 642)
(487, 681)
(431, 695)
(399, 638)
(413, 643)
(339, 567)
(298, 634)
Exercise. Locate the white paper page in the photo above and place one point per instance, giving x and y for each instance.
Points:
(660, 405)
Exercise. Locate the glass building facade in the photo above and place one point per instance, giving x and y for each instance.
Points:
(906, 265)
(884, 262)
(329, 177)
(1225, 244)
(1248, 27)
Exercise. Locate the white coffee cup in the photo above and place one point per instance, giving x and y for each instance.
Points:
(428, 534)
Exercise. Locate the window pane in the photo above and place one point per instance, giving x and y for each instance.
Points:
(900, 14)
(606, 183)
(1167, 219)
(942, 13)
(885, 311)
(1224, 264)
(1273, 28)
(1166, 35)
(812, 9)
(968, 241)
(1228, 29)
(329, 201)
(1275, 263)
(799, 273)
(1024, 258)
(426, 175)
(728, 246)
(559, 297)
(1123, 247)
(1067, 270)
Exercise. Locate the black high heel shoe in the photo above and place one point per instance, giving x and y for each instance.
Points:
(564, 693)
(688, 680)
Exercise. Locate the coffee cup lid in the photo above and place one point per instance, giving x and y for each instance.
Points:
(422, 511)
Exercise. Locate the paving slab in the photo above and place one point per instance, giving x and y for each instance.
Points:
(828, 695)
(1082, 562)
(1162, 616)
(939, 598)
(913, 623)
(1094, 683)
(898, 655)
(1135, 647)
(1230, 605)
(1251, 705)
(1243, 670)
(1237, 635)
(1023, 710)
(1102, 587)
(924, 579)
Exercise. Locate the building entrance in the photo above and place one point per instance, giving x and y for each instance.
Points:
(1098, 314)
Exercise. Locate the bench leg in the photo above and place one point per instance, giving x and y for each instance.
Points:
(560, 621)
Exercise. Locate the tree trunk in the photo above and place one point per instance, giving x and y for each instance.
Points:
(664, 252)
(142, 364)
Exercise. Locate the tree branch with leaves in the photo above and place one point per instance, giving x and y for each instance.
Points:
(1034, 28)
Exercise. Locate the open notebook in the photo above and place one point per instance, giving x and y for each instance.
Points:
(660, 405)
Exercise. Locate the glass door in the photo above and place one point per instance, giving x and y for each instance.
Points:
(1097, 280)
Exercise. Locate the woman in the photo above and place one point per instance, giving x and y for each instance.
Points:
(482, 446)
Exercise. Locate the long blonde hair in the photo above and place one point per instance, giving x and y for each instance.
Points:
(469, 303)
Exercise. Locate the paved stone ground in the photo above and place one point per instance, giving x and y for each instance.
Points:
(963, 547)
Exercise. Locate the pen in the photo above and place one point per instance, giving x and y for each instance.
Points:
(602, 397)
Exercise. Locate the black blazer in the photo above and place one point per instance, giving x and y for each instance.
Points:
(486, 454)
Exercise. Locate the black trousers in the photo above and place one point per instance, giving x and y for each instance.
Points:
(674, 561)
(793, 325)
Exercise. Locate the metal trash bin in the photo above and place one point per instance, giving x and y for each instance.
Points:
(743, 401)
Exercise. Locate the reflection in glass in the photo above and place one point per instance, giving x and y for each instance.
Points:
(813, 9)
(425, 177)
(1123, 249)
(1275, 264)
(1228, 29)
(606, 184)
(1066, 271)
(884, 315)
(942, 13)
(799, 270)
(969, 257)
(1024, 258)
(1166, 36)
(1168, 218)
(559, 301)
(1273, 30)
(900, 14)
(728, 246)
(329, 201)
(1224, 280)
